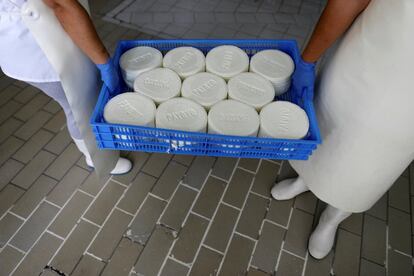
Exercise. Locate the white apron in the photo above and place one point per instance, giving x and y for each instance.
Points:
(77, 73)
(365, 109)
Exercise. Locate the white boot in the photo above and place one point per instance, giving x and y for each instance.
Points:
(289, 188)
(323, 237)
(123, 166)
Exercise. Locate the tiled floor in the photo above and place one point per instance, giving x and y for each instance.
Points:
(174, 215)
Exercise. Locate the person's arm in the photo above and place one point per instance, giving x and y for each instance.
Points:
(336, 18)
(78, 25)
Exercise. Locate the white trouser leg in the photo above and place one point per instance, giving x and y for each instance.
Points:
(323, 237)
(289, 188)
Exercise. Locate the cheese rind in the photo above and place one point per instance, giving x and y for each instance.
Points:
(185, 61)
(232, 117)
(130, 109)
(137, 61)
(181, 114)
(276, 66)
(283, 120)
(205, 88)
(251, 89)
(160, 84)
(227, 61)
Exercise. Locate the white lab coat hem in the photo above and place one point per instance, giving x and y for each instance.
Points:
(29, 79)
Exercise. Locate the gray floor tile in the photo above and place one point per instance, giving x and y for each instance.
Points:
(370, 269)
(353, 224)
(209, 197)
(39, 256)
(398, 264)
(222, 227)
(34, 105)
(169, 180)
(249, 164)
(56, 123)
(8, 93)
(224, 167)
(8, 171)
(198, 171)
(316, 267)
(9, 258)
(33, 125)
(88, 266)
(70, 214)
(104, 203)
(26, 94)
(33, 146)
(297, 237)
(138, 159)
(49, 272)
(255, 272)
(265, 178)
(154, 253)
(207, 262)
(290, 265)
(347, 253)
(8, 148)
(8, 226)
(268, 248)
(8, 128)
(31, 198)
(93, 184)
(306, 202)
(399, 194)
(141, 227)
(34, 226)
(156, 164)
(34, 169)
(172, 268)
(189, 239)
(72, 250)
(123, 259)
(185, 160)
(238, 188)
(237, 258)
(379, 210)
(110, 235)
(64, 162)
(67, 186)
(60, 142)
(136, 193)
(6, 111)
(279, 211)
(399, 235)
(374, 240)
(286, 171)
(178, 208)
(52, 107)
(252, 216)
(8, 196)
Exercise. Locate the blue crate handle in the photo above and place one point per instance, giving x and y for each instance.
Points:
(138, 138)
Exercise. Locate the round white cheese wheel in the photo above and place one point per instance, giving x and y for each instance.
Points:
(251, 89)
(231, 117)
(137, 61)
(205, 88)
(160, 84)
(130, 109)
(186, 61)
(274, 65)
(227, 61)
(283, 120)
(181, 114)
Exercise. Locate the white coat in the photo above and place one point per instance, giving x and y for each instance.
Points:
(365, 108)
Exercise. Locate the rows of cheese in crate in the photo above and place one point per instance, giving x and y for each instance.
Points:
(224, 92)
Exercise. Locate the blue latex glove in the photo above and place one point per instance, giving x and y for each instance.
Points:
(304, 76)
(109, 75)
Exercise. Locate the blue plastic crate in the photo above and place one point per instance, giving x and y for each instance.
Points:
(135, 138)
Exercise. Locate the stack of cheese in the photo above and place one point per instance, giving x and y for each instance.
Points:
(222, 93)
